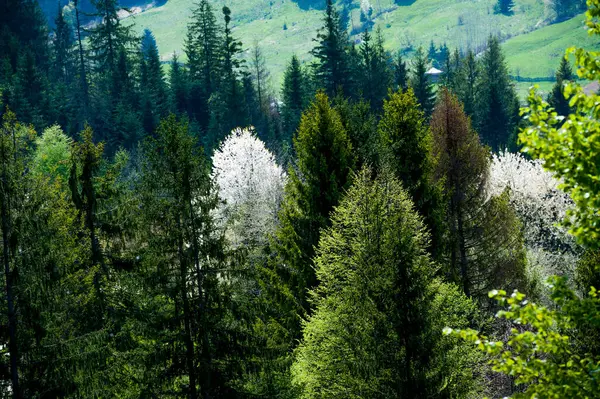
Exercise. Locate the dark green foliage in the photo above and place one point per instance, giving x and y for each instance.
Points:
(556, 97)
(466, 83)
(400, 73)
(420, 83)
(375, 77)
(405, 148)
(315, 186)
(295, 97)
(504, 7)
(497, 105)
(372, 332)
(331, 69)
(153, 85)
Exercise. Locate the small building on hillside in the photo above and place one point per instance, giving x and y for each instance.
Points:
(434, 74)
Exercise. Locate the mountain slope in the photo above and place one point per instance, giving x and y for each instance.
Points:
(459, 23)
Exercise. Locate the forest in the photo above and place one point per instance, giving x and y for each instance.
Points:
(367, 230)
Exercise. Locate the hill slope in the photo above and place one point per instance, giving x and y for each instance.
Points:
(459, 23)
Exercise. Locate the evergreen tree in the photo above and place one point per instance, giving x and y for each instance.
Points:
(184, 260)
(331, 69)
(178, 84)
(497, 108)
(405, 148)
(556, 97)
(376, 76)
(466, 83)
(295, 97)
(400, 73)
(485, 247)
(361, 124)
(372, 332)
(420, 83)
(63, 47)
(323, 172)
(152, 82)
(504, 7)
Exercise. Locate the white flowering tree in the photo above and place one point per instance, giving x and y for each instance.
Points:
(251, 186)
(542, 206)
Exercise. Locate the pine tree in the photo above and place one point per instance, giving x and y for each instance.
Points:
(556, 97)
(485, 247)
(372, 332)
(331, 69)
(295, 97)
(420, 83)
(400, 73)
(497, 109)
(63, 48)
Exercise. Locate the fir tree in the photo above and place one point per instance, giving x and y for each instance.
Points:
(331, 69)
(323, 172)
(178, 85)
(504, 7)
(295, 97)
(556, 98)
(376, 299)
(376, 76)
(497, 108)
(152, 82)
(420, 83)
(466, 83)
(400, 73)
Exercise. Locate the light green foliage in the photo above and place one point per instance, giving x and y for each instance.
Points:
(572, 150)
(52, 154)
(370, 335)
(539, 353)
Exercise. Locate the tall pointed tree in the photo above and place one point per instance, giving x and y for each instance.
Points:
(420, 83)
(295, 97)
(330, 52)
(556, 98)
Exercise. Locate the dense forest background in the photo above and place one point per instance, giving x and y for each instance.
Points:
(190, 232)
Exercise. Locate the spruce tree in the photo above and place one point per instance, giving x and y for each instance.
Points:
(152, 82)
(466, 83)
(295, 97)
(400, 73)
(405, 149)
(497, 108)
(556, 97)
(314, 187)
(504, 7)
(485, 247)
(420, 83)
(185, 261)
(331, 69)
(376, 76)
(372, 333)
(178, 85)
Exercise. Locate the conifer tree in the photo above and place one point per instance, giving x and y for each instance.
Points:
(178, 85)
(405, 148)
(372, 332)
(331, 70)
(497, 109)
(504, 7)
(466, 83)
(376, 76)
(63, 48)
(184, 255)
(485, 247)
(420, 83)
(400, 73)
(556, 98)
(314, 187)
(152, 82)
(295, 97)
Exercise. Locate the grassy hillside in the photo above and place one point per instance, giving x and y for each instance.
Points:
(538, 53)
(459, 23)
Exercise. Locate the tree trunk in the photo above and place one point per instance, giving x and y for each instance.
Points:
(464, 263)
